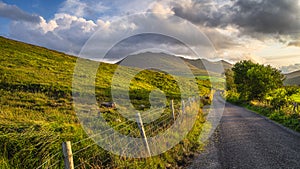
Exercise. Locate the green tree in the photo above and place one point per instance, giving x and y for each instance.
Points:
(253, 80)
(230, 85)
(240, 70)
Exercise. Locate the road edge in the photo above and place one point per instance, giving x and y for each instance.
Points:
(269, 120)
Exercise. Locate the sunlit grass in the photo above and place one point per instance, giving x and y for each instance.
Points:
(296, 97)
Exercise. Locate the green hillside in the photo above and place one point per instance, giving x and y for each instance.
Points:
(293, 78)
(37, 115)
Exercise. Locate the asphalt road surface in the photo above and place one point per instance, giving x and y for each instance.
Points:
(244, 139)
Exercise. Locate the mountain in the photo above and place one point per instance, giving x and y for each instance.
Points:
(292, 78)
(217, 67)
(290, 68)
(199, 67)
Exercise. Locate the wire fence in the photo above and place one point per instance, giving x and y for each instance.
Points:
(83, 149)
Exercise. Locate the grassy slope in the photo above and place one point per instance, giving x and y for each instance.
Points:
(36, 112)
(35, 103)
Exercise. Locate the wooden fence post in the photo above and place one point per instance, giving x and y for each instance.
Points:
(68, 156)
(183, 107)
(142, 130)
(173, 110)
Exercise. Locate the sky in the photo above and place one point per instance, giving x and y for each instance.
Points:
(265, 31)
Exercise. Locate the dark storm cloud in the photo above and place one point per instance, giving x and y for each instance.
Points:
(267, 16)
(262, 16)
(14, 13)
(203, 12)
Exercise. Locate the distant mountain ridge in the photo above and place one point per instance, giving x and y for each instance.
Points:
(197, 66)
(209, 65)
(292, 78)
(290, 68)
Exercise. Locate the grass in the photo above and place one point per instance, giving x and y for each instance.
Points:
(296, 97)
(37, 114)
(285, 116)
(212, 79)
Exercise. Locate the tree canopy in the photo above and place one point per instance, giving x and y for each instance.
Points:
(253, 80)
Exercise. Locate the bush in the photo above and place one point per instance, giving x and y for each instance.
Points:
(232, 96)
(279, 98)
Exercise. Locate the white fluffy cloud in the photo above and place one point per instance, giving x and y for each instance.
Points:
(64, 32)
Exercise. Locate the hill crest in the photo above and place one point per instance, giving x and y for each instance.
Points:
(168, 59)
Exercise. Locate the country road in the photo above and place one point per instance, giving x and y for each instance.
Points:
(244, 139)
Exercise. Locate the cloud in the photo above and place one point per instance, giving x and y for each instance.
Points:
(64, 32)
(225, 38)
(69, 29)
(160, 9)
(68, 33)
(14, 13)
(251, 16)
(124, 7)
(79, 8)
(105, 9)
(132, 32)
(267, 16)
(146, 41)
(294, 43)
(204, 12)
